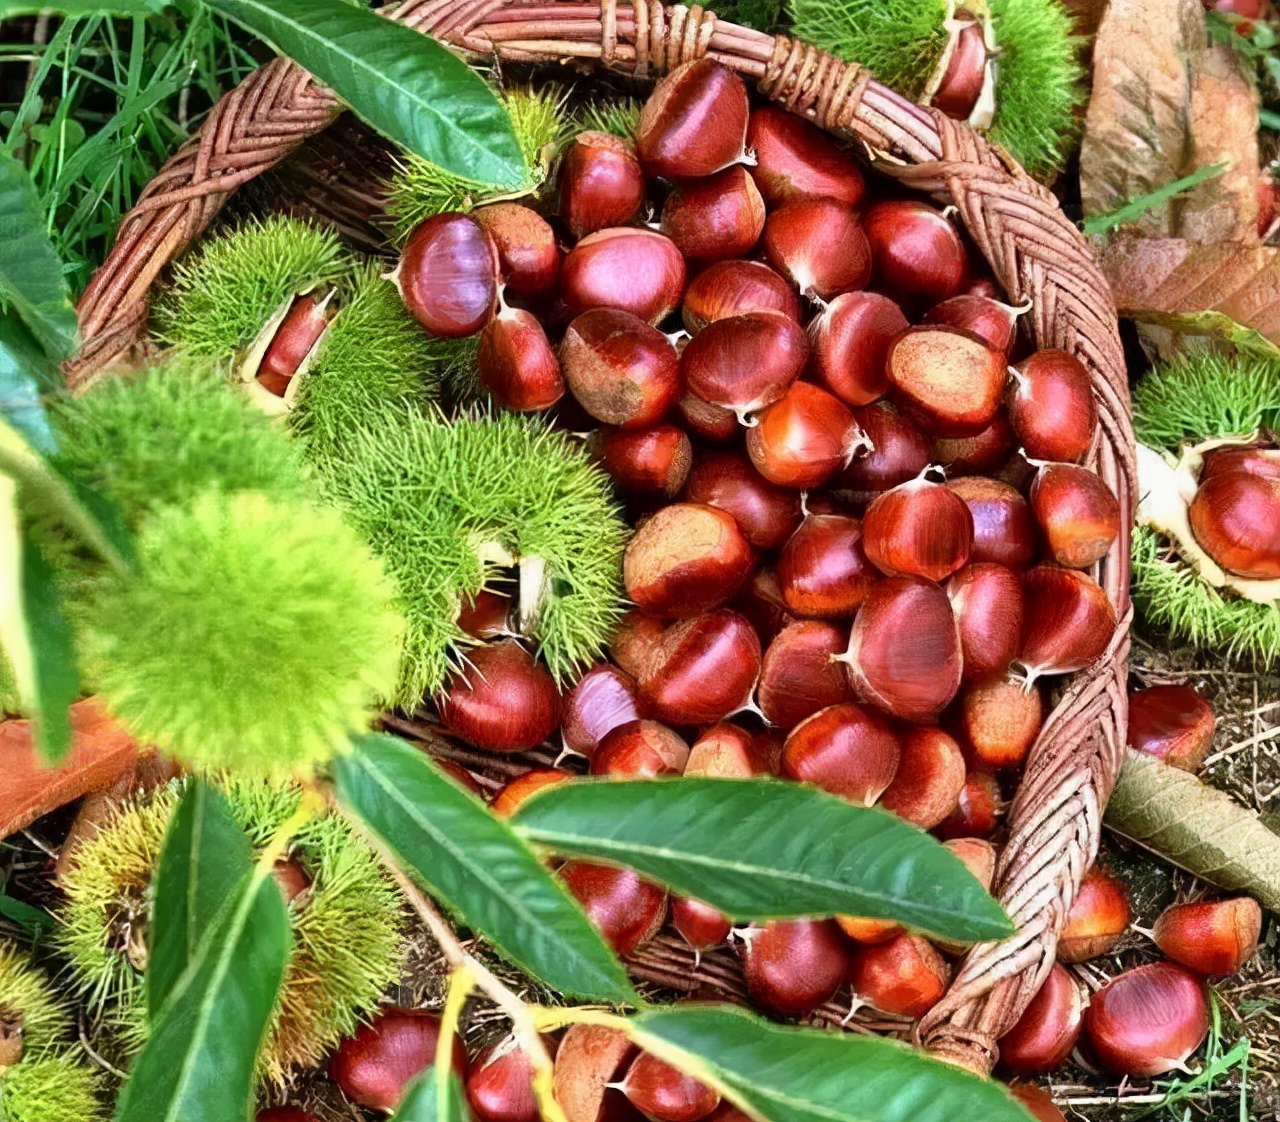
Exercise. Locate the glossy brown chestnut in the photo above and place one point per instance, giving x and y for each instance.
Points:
(707, 421)
(793, 966)
(1098, 917)
(987, 601)
(1147, 1021)
(297, 334)
(1077, 513)
(634, 270)
(803, 439)
(822, 570)
(978, 811)
(1048, 1029)
(919, 528)
(1235, 517)
(846, 749)
(726, 751)
(819, 245)
(912, 681)
(761, 604)
(1003, 531)
(634, 640)
(695, 121)
(715, 218)
(851, 339)
(528, 257)
(486, 615)
(800, 673)
(1173, 723)
(979, 858)
(868, 931)
(985, 451)
(906, 975)
(448, 275)
(291, 878)
(1213, 938)
(601, 183)
(588, 1061)
(686, 559)
(961, 86)
(640, 750)
(1001, 719)
(1067, 621)
(604, 698)
(699, 924)
(1250, 459)
(930, 777)
(499, 1085)
(899, 452)
(746, 362)
(1051, 406)
(918, 254)
(652, 461)
(624, 907)
(735, 288)
(991, 321)
(509, 798)
(503, 700)
(516, 364)
(767, 515)
(664, 1094)
(795, 160)
(622, 371)
(948, 381)
(702, 669)
(375, 1065)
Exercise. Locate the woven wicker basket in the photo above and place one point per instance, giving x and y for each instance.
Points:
(1035, 253)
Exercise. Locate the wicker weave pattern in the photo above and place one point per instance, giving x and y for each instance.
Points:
(1035, 253)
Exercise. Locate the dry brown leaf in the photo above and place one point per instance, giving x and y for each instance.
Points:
(1166, 101)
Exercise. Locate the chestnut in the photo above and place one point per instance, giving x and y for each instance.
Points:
(503, 700)
(634, 270)
(699, 924)
(603, 698)
(461, 776)
(917, 253)
(510, 797)
(499, 1086)
(640, 750)
(898, 453)
(987, 601)
(448, 275)
(766, 514)
(714, 218)
(761, 604)
(687, 558)
(486, 615)
(736, 288)
(624, 907)
(1001, 720)
(601, 183)
(291, 878)
(664, 1094)
(726, 751)
(907, 975)
(793, 966)
(1038, 1101)
(1003, 531)
(795, 160)
(701, 669)
(620, 369)
(800, 673)
(1098, 917)
(979, 858)
(1067, 621)
(707, 421)
(818, 244)
(1235, 516)
(1210, 937)
(1148, 1020)
(588, 1061)
(1048, 1029)
(1250, 459)
(528, 257)
(516, 365)
(1051, 406)
(991, 321)
(823, 572)
(913, 681)
(1077, 513)
(919, 528)
(374, 1066)
(930, 777)
(294, 339)
(851, 338)
(845, 749)
(695, 121)
(961, 85)
(984, 451)
(1173, 723)
(804, 438)
(977, 811)
(745, 362)
(868, 931)
(948, 381)
(652, 461)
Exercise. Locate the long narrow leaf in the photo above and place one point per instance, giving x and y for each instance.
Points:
(25, 373)
(763, 849)
(56, 674)
(477, 867)
(406, 85)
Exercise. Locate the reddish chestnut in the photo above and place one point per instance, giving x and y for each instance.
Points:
(1098, 917)
(604, 698)
(1048, 1029)
(640, 750)
(588, 1061)
(906, 975)
(663, 1094)
(761, 604)
(714, 218)
(624, 907)
(633, 643)
(978, 810)
(1051, 406)
(621, 370)
(918, 254)
(516, 364)
(801, 674)
(686, 559)
(508, 800)
(899, 452)
(634, 270)
(1236, 519)
(499, 1085)
(793, 966)
(803, 439)
(987, 601)
(652, 461)
(845, 749)
(948, 380)
(735, 288)
(913, 681)
(1067, 621)
(486, 615)
(819, 245)
(726, 751)
(699, 924)
(1250, 459)
(707, 421)
(1001, 720)
(1002, 528)
(374, 1066)
(984, 451)
(461, 776)
(746, 362)
(868, 931)
(919, 528)
(961, 86)
(297, 334)
(991, 321)
(822, 570)
(503, 700)
(851, 340)
(795, 160)
(1173, 723)
(1077, 513)
(528, 257)
(702, 669)
(695, 121)
(767, 515)
(930, 777)
(1148, 1020)
(448, 275)
(979, 858)
(1210, 937)
(601, 183)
